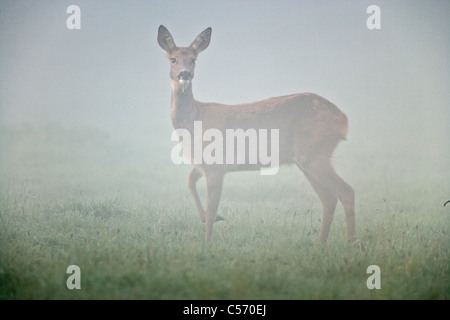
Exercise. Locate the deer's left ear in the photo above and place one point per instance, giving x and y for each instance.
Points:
(202, 41)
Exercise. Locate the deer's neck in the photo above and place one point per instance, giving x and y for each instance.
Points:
(183, 109)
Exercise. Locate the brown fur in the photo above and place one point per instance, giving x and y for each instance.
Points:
(310, 127)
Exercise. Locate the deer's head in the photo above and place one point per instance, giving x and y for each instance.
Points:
(182, 59)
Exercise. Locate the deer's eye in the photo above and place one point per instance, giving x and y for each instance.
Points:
(173, 60)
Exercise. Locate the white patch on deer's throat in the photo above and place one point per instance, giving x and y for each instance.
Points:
(184, 84)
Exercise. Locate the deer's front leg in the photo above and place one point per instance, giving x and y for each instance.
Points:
(214, 182)
(193, 177)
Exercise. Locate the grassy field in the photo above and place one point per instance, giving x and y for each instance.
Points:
(133, 230)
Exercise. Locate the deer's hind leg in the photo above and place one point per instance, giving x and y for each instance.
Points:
(320, 179)
(346, 195)
(315, 163)
(330, 187)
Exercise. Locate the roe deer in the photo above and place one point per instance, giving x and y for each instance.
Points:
(310, 127)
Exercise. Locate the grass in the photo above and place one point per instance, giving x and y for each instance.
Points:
(149, 245)
(131, 251)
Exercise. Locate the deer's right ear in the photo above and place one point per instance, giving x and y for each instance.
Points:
(165, 39)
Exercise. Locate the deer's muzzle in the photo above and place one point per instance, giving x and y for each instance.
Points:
(185, 75)
(184, 78)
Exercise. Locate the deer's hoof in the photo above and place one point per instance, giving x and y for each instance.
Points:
(218, 218)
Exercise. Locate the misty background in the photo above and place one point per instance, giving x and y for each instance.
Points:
(87, 111)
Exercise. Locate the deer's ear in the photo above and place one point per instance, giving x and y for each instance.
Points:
(165, 39)
(202, 41)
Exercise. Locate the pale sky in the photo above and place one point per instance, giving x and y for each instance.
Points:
(392, 83)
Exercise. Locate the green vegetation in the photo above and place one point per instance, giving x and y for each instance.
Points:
(134, 232)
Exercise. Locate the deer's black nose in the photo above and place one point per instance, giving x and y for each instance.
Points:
(185, 75)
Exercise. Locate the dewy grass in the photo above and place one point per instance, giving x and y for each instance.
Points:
(141, 251)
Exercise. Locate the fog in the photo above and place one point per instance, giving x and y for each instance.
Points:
(108, 83)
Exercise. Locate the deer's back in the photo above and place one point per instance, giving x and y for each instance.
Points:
(290, 114)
